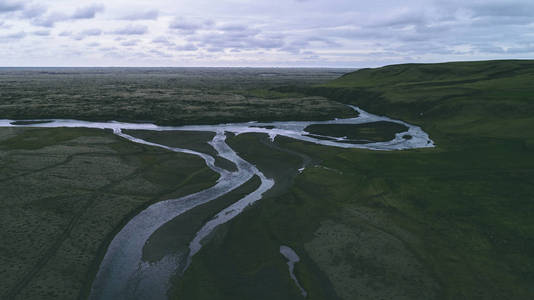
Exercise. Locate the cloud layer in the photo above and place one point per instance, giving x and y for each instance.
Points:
(322, 33)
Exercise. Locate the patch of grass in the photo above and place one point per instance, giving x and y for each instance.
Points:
(193, 140)
(173, 96)
(370, 132)
(457, 218)
(485, 98)
(34, 138)
(274, 162)
(29, 122)
(175, 235)
(65, 193)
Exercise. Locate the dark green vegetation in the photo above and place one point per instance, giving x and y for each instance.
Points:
(349, 247)
(29, 122)
(376, 131)
(486, 98)
(434, 223)
(175, 236)
(193, 140)
(65, 193)
(454, 222)
(164, 95)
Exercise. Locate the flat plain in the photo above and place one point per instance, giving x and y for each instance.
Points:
(170, 96)
(451, 222)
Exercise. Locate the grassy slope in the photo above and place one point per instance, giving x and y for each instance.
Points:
(489, 98)
(478, 185)
(64, 193)
(456, 220)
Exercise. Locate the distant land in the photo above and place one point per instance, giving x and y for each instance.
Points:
(451, 219)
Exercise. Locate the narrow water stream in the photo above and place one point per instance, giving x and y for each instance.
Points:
(123, 274)
(292, 259)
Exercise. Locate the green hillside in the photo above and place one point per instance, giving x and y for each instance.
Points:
(488, 98)
(451, 222)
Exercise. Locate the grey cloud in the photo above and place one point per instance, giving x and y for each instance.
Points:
(485, 48)
(232, 27)
(41, 33)
(91, 32)
(107, 48)
(87, 12)
(162, 40)
(93, 44)
(502, 21)
(528, 48)
(49, 20)
(146, 15)
(10, 6)
(160, 53)
(298, 46)
(504, 9)
(130, 43)
(516, 49)
(332, 32)
(15, 36)
(235, 36)
(215, 49)
(295, 47)
(357, 33)
(187, 47)
(208, 23)
(85, 33)
(132, 30)
(433, 29)
(34, 11)
(112, 53)
(323, 40)
(189, 27)
(403, 19)
(177, 24)
(212, 42)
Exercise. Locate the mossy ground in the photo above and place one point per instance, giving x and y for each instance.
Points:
(453, 222)
(380, 131)
(64, 193)
(173, 96)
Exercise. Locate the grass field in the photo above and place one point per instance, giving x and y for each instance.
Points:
(380, 131)
(451, 222)
(440, 223)
(65, 193)
(454, 222)
(164, 95)
(486, 98)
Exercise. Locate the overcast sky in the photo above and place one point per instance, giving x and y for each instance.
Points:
(312, 33)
